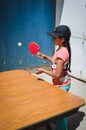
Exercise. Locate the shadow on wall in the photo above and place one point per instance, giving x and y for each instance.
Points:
(74, 120)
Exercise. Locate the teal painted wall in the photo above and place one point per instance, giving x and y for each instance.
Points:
(24, 21)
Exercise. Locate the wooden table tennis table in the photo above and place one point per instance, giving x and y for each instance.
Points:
(27, 102)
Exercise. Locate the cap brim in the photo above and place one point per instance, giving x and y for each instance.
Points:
(53, 34)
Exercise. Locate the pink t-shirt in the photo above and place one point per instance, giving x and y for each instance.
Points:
(64, 55)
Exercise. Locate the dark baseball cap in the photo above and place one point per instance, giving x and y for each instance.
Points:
(61, 31)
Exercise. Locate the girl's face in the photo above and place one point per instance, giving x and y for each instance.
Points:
(58, 41)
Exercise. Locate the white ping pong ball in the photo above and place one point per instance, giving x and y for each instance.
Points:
(19, 44)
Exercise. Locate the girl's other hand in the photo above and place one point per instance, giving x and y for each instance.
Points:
(39, 71)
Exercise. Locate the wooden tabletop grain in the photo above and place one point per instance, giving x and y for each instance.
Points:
(26, 101)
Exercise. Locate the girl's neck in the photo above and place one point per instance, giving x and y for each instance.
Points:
(60, 47)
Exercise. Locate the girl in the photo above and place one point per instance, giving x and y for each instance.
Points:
(61, 62)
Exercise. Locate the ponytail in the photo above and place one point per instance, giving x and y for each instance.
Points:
(67, 45)
(69, 50)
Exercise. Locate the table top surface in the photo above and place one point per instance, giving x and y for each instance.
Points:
(26, 100)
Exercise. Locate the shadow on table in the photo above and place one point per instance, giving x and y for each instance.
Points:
(74, 120)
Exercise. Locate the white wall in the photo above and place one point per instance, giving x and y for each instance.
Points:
(74, 15)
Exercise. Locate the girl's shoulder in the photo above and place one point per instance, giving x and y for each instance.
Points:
(62, 50)
(62, 53)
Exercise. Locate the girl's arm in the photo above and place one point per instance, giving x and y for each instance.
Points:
(57, 73)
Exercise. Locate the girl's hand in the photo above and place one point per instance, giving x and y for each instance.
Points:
(41, 55)
(39, 71)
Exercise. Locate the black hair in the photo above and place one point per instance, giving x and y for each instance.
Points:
(66, 44)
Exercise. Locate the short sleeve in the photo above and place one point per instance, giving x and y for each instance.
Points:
(62, 54)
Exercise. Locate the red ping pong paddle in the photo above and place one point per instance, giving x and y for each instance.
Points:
(33, 48)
